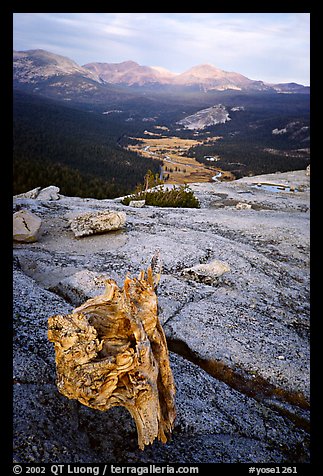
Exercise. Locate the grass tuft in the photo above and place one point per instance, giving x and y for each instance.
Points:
(180, 197)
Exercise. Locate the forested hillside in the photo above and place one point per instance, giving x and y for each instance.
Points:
(73, 149)
(266, 134)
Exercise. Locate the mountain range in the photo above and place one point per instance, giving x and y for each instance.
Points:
(51, 74)
(205, 76)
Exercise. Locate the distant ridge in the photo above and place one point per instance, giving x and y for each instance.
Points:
(209, 77)
(33, 67)
(32, 64)
(129, 73)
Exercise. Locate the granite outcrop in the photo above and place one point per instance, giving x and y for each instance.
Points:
(238, 343)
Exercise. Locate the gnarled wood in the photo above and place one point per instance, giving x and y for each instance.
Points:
(112, 351)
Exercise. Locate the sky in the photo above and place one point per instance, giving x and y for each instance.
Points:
(272, 47)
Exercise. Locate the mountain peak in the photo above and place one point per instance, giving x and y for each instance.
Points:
(44, 57)
(208, 70)
(204, 67)
(129, 73)
(208, 77)
(38, 63)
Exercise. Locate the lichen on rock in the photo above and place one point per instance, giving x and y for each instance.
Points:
(112, 351)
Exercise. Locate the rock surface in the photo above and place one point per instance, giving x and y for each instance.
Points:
(239, 347)
(26, 226)
(80, 286)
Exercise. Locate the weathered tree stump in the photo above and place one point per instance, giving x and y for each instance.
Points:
(112, 351)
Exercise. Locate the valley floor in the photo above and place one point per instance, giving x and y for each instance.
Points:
(177, 167)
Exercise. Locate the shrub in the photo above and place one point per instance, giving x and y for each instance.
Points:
(181, 197)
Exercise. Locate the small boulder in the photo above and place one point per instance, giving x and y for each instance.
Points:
(208, 273)
(48, 193)
(30, 194)
(137, 203)
(26, 226)
(98, 222)
(243, 206)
